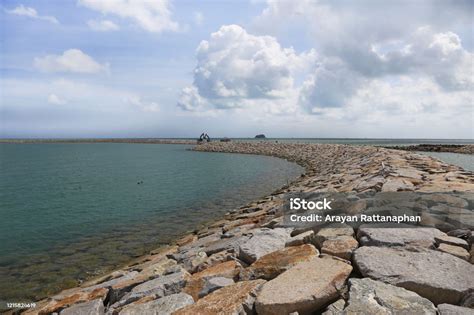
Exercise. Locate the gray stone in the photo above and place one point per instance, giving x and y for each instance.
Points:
(161, 286)
(202, 242)
(230, 244)
(374, 183)
(455, 251)
(305, 288)
(367, 296)
(335, 308)
(163, 306)
(378, 235)
(109, 283)
(212, 284)
(191, 264)
(465, 234)
(263, 241)
(238, 231)
(397, 184)
(468, 300)
(300, 239)
(448, 309)
(331, 232)
(94, 307)
(439, 277)
(447, 199)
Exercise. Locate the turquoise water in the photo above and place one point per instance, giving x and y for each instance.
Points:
(71, 211)
(466, 161)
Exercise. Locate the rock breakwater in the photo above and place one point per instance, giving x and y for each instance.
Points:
(454, 148)
(250, 262)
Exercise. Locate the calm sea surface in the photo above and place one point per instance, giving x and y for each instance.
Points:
(466, 161)
(71, 211)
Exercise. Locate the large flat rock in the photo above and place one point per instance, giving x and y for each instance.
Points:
(305, 288)
(95, 307)
(163, 306)
(273, 264)
(367, 296)
(230, 244)
(213, 284)
(159, 287)
(262, 242)
(378, 235)
(236, 299)
(437, 276)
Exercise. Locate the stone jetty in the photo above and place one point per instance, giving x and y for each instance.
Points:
(251, 262)
(454, 148)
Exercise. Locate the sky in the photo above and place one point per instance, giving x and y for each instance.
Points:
(312, 69)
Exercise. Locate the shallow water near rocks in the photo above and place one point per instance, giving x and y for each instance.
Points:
(466, 161)
(72, 211)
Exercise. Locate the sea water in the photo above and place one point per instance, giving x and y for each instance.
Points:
(72, 211)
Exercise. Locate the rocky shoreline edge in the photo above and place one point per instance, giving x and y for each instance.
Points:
(453, 148)
(249, 262)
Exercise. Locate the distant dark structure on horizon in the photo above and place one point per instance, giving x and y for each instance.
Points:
(204, 137)
(225, 139)
(260, 136)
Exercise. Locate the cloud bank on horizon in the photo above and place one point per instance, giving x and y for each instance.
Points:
(285, 68)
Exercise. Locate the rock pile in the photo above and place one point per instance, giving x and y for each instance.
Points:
(251, 263)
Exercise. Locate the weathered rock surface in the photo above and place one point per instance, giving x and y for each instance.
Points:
(230, 244)
(450, 240)
(397, 184)
(300, 239)
(213, 284)
(439, 277)
(263, 242)
(331, 233)
(305, 288)
(273, 264)
(447, 199)
(78, 297)
(367, 296)
(163, 306)
(341, 247)
(368, 235)
(196, 283)
(234, 299)
(455, 251)
(94, 307)
(448, 309)
(464, 234)
(335, 308)
(159, 287)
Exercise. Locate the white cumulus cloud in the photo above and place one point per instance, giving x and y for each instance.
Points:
(32, 13)
(72, 60)
(152, 16)
(365, 43)
(102, 25)
(237, 69)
